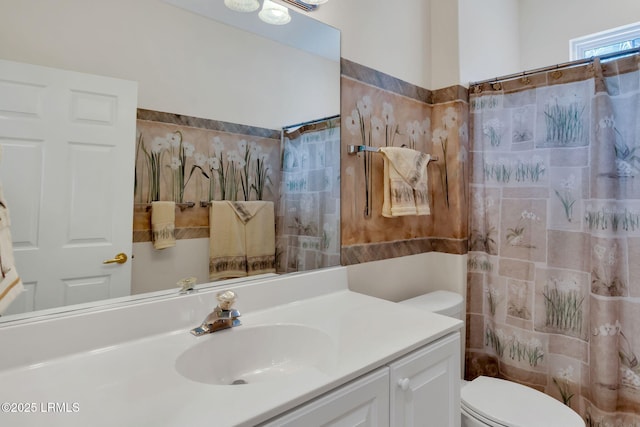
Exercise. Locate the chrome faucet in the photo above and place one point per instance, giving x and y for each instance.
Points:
(222, 317)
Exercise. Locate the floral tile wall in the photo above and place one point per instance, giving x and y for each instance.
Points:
(187, 159)
(379, 110)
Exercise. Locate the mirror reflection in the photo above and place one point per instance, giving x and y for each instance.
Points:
(197, 76)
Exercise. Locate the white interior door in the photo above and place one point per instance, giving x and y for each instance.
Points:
(67, 170)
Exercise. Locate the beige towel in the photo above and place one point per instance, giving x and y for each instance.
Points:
(10, 284)
(260, 235)
(405, 182)
(163, 223)
(227, 251)
(242, 239)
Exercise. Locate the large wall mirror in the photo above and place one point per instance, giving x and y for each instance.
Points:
(190, 58)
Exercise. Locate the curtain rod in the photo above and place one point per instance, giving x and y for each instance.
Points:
(310, 122)
(558, 66)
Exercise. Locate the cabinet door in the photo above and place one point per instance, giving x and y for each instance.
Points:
(425, 386)
(362, 403)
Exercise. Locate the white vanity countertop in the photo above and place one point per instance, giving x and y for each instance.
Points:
(136, 383)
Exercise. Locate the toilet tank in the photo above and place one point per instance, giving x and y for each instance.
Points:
(446, 303)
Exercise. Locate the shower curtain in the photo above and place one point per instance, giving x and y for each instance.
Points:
(554, 271)
(308, 223)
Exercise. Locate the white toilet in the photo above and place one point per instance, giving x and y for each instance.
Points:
(493, 402)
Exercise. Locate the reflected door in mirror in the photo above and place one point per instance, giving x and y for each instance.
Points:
(67, 170)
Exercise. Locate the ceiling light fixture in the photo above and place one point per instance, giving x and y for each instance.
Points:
(273, 13)
(242, 5)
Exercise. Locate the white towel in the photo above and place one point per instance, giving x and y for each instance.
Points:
(163, 223)
(10, 283)
(405, 182)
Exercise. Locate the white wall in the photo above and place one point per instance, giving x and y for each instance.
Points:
(489, 39)
(445, 44)
(546, 26)
(154, 270)
(183, 63)
(397, 279)
(499, 37)
(392, 37)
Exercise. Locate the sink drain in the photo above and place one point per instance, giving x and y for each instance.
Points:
(238, 382)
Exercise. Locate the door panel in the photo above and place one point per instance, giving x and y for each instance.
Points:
(25, 167)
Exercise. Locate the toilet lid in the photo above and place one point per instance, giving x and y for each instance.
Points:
(506, 403)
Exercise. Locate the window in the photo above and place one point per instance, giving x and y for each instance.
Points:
(610, 41)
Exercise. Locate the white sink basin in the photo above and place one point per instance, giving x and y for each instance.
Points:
(254, 354)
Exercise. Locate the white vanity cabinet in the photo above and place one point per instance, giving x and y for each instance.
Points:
(425, 386)
(363, 402)
(421, 388)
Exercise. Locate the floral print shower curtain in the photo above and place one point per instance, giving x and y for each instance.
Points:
(554, 271)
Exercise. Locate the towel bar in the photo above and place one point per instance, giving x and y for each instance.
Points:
(355, 149)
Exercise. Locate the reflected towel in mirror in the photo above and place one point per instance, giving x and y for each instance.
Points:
(163, 219)
(241, 239)
(405, 182)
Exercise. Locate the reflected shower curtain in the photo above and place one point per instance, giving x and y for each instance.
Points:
(308, 213)
(554, 271)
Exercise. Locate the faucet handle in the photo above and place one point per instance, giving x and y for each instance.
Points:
(186, 284)
(226, 299)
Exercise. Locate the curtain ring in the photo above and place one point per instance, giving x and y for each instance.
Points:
(526, 80)
(477, 89)
(556, 74)
(497, 86)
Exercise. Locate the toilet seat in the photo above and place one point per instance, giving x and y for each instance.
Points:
(502, 403)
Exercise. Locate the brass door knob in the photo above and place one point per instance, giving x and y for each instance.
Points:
(121, 258)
